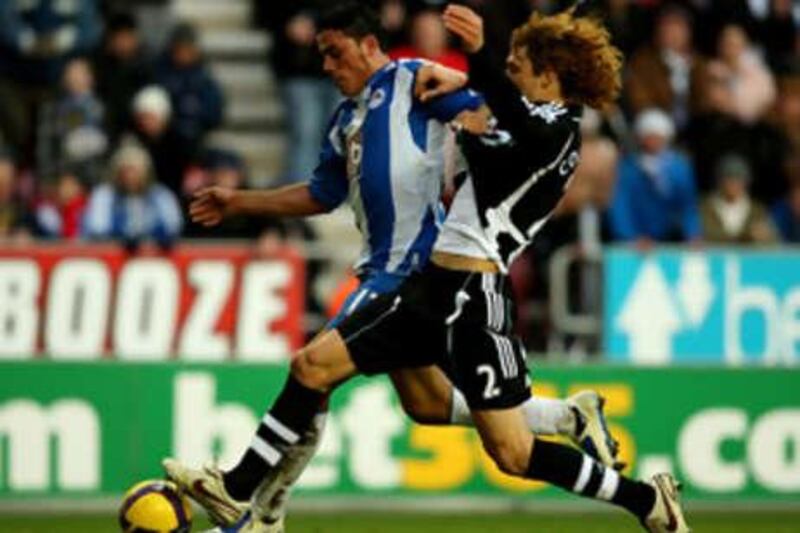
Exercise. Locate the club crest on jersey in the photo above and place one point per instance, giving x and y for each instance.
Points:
(377, 99)
(355, 151)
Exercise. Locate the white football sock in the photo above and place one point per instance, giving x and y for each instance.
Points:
(545, 416)
(549, 416)
(459, 410)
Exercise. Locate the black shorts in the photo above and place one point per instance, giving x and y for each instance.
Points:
(460, 321)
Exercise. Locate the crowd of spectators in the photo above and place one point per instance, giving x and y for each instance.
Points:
(706, 137)
(98, 131)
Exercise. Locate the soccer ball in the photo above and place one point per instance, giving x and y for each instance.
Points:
(155, 506)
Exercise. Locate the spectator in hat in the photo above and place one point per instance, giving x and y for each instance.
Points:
(655, 197)
(196, 97)
(122, 68)
(132, 208)
(152, 119)
(729, 214)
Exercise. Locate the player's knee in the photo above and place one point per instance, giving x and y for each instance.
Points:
(510, 457)
(308, 373)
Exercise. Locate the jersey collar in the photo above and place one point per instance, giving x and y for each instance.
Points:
(375, 80)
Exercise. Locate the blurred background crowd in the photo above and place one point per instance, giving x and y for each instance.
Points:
(112, 113)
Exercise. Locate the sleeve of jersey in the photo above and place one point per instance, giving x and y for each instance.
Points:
(447, 107)
(502, 96)
(328, 185)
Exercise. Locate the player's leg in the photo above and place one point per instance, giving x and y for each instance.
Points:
(429, 397)
(270, 499)
(487, 365)
(518, 452)
(316, 369)
(426, 394)
(580, 418)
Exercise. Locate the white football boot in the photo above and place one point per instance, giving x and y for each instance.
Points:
(667, 514)
(206, 487)
(590, 433)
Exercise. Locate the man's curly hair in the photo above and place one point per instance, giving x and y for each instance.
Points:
(579, 51)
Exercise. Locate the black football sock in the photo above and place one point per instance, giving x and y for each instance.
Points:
(576, 472)
(282, 426)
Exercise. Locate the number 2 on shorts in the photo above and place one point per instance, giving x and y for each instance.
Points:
(490, 391)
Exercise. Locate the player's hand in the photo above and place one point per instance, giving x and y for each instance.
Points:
(435, 80)
(210, 205)
(476, 122)
(465, 23)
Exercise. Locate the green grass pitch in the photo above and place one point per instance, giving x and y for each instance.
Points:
(745, 522)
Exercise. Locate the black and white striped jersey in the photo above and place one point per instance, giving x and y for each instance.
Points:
(517, 172)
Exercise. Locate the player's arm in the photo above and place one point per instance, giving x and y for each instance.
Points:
(327, 189)
(211, 205)
(435, 80)
(486, 75)
(291, 200)
(440, 92)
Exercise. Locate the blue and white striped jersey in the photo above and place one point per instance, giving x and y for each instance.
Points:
(384, 154)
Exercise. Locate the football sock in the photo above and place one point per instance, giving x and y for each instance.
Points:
(459, 410)
(545, 416)
(270, 498)
(548, 416)
(291, 415)
(576, 472)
